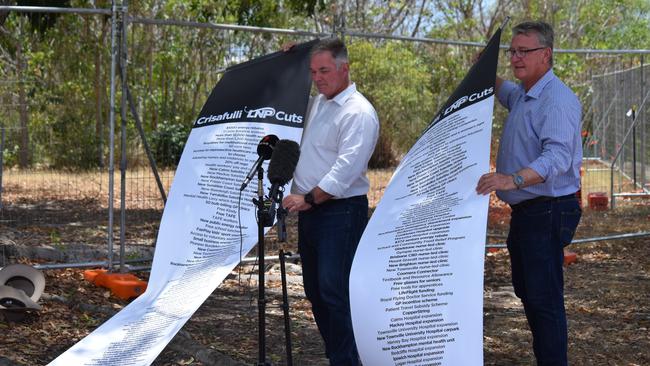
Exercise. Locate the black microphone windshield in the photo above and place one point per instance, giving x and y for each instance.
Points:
(283, 162)
(265, 147)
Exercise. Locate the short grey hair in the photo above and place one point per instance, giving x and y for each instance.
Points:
(335, 47)
(543, 30)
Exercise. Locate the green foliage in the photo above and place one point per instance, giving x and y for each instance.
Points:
(306, 7)
(70, 144)
(62, 131)
(10, 155)
(43, 21)
(61, 64)
(615, 24)
(167, 143)
(395, 80)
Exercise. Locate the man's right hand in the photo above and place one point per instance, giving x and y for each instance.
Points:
(494, 181)
(295, 203)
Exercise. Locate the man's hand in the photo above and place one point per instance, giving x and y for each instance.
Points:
(476, 56)
(503, 182)
(295, 203)
(494, 181)
(287, 46)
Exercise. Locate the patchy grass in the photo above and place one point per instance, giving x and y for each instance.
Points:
(606, 293)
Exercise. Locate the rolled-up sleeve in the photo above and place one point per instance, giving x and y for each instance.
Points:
(356, 142)
(507, 94)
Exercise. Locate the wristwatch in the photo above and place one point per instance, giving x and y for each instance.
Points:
(309, 198)
(518, 180)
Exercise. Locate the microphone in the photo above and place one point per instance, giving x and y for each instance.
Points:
(282, 165)
(265, 151)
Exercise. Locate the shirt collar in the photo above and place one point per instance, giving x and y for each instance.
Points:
(344, 95)
(536, 90)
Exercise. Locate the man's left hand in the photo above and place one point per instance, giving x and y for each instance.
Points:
(295, 203)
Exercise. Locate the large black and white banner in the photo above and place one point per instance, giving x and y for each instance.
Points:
(199, 237)
(416, 287)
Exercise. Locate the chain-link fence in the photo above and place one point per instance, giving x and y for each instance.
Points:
(55, 171)
(617, 149)
(56, 117)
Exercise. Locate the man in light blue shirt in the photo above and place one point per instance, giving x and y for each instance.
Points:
(538, 174)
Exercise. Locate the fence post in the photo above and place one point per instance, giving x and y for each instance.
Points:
(123, 107)
(111, 133)
(644, 129)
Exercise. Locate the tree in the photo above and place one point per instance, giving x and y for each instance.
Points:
(396, 81)
(61, 97)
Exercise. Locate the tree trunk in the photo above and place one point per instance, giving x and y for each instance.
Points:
(148, 100)
(23, 155)
(99, 95)
(199, 82)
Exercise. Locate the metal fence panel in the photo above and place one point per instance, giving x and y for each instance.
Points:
(55, 191)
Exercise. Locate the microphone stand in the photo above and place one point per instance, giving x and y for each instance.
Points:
(266, 210)
(262, 218)
(282, 237)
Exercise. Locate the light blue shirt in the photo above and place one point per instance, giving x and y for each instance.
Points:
(542, 132)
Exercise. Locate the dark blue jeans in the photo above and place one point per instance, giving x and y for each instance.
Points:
(538, 234)
(327, 239)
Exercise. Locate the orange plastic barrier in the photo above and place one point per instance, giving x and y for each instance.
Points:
(91, 274)
(570, 257)
(123, 285)
(598, 201)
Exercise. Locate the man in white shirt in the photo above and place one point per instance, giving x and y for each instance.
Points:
(329, 192)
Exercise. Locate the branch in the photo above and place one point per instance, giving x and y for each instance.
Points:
(417, 23)
(389, 19)
(4, 14)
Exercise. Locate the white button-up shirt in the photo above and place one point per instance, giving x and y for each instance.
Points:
(339, 139)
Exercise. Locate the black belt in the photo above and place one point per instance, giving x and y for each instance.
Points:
(540, 199)
(361, 196)
(338, 200)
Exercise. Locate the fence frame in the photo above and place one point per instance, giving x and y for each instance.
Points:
(602, 133)
(120, 21)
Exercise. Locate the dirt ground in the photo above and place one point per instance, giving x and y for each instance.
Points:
(607, 300)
